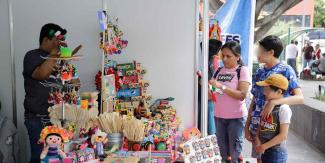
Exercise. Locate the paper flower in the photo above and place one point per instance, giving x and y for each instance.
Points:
(65, 134)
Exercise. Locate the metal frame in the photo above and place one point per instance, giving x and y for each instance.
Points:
(205, 51)
(104, 7)
(13, 65)
(196, 61)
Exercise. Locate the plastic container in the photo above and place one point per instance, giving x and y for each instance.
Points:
(65, 52)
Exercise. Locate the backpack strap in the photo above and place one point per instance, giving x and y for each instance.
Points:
(217, 72)
(219, 69)
(238, 71)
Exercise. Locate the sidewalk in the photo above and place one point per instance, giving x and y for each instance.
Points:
(298, 151)
(309, 88)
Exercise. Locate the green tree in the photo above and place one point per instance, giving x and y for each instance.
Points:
(263, 23)
(319, 13)
(280, 27)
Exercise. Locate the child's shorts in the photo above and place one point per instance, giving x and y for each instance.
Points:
(275, 155)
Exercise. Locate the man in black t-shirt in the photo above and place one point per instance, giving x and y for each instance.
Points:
(308, 55)
(37, 70)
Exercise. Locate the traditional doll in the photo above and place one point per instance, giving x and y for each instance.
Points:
(53, 138)
(98, 140)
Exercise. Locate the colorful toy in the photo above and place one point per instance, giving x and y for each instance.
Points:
(113, 43)
(191, 133)
(155, 106)
(66, 76)
(65, 71)
(83, 155)
(134, 146)
(129, 88)
(215, 31)
(67, 94)
(98, 140)
(53, 138)
(161, 146)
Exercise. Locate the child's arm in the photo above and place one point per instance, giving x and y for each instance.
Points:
(257, 140)
(284, 128)
(297, 98)
(240, 93)
(248, 135)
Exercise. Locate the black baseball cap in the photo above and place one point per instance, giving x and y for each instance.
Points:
(49, 30)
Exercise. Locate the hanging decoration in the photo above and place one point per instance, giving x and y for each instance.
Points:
(111, 37)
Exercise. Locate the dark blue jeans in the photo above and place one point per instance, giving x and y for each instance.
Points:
(275, 155)
(292, 62)
(211, 121)
(230, 137)
(34, 127)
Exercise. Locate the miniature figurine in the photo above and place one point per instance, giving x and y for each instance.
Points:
(98, 140)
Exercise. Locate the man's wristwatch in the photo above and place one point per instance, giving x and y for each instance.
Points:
(223, 87)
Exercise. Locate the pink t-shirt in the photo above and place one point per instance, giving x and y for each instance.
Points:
(225, 106)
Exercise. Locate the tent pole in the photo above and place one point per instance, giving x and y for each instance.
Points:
(205, 51)
(13, 65)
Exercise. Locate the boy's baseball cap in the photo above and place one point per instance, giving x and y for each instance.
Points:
(276, 80)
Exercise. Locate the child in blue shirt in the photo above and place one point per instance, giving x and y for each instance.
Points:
(269, 50)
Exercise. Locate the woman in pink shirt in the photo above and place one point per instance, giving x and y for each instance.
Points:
(230, 108)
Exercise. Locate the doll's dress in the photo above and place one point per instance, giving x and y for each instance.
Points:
(52, 154)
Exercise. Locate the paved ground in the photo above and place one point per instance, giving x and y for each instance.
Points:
(309, 88)
(299, 151)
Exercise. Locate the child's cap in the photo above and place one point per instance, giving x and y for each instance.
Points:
(276, 80)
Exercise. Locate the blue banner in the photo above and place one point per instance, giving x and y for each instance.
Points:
(236, 19)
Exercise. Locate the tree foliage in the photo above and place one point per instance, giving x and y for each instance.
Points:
(263, 22)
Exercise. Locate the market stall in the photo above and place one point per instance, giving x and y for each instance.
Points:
(126, 125)
(154, 39)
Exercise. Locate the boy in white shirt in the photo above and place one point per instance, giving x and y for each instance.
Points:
(291, 55)
(273, 131)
